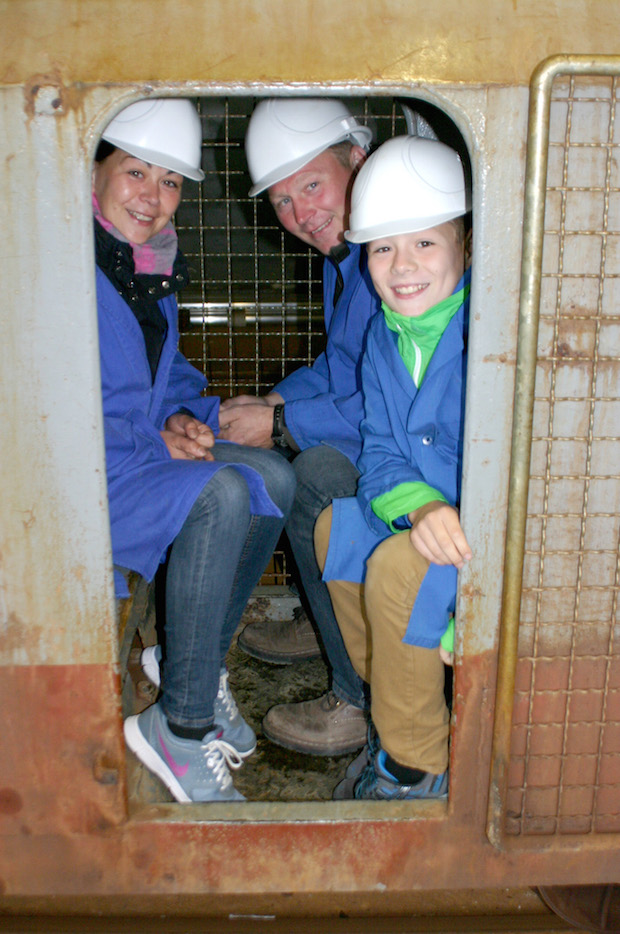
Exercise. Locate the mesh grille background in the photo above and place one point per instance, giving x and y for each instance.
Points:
(565, 767)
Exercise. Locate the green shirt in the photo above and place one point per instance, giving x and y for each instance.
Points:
(417, 341)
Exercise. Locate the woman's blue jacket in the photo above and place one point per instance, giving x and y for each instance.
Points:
(150, 493)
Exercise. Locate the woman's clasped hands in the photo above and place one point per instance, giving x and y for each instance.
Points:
(187, 438)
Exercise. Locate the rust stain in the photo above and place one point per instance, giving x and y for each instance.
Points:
(15, 632)
(106, 768)
(11, 801)
(69, 778)
(498, 358)
(122, 47)
(67, 97)
(29, 518)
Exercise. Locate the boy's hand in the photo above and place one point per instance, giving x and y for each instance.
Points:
(437, 534)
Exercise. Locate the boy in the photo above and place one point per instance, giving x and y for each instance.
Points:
(390, 555)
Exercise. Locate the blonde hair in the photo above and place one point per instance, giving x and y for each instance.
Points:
(342, 152)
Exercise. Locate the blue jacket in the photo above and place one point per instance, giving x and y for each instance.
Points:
(409, 435)
(150, 494)
(324, 402)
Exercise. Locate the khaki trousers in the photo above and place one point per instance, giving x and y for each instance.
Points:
(406, 682)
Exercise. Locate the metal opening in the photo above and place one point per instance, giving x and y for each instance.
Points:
(253, 313)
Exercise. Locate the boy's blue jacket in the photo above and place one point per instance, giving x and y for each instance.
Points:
(409, 435)
(150, 494)
(324, 402)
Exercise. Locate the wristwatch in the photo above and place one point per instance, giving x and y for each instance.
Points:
(277, 433)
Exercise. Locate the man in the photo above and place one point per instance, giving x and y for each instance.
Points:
(305, 153)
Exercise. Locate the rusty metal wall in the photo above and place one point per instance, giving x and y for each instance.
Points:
(66, 830)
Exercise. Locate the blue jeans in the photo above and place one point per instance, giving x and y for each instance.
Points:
(214, 564)
(323, 474)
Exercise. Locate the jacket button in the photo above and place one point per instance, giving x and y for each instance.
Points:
(427, 439)
(165, 284)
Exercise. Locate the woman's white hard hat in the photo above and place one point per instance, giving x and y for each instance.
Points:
(410, 183)
(164, 131)
(286, 133)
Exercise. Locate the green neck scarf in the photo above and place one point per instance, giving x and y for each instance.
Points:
(418, 337)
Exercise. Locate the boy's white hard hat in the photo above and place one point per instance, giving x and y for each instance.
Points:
(165, 132)
(286, 133)
(408, 184)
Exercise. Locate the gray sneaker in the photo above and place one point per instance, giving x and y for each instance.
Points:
(192, 770)
(225, 711)
(281, 641)
(325, 726)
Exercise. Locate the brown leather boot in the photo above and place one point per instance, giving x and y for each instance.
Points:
(325, 726)
(281, 641)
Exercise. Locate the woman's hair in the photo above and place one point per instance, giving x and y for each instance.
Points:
(104, 149)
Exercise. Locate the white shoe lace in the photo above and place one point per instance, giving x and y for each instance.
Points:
(220, 756)
(224, 695)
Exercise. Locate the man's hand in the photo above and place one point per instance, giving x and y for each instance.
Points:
(187, 438)
(437, 534)
(248, 420)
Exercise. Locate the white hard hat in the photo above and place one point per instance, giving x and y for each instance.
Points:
(286, 133)
(408, 184)
(165, 132)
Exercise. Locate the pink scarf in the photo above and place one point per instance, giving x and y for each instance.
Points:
(156, 256)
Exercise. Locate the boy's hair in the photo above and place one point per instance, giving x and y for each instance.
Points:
(463, 231)
(459, 227)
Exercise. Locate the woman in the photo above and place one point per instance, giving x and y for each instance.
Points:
(212, 510)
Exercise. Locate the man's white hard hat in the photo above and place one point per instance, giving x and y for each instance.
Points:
(164, 131)
(410, 183)
(286, 133)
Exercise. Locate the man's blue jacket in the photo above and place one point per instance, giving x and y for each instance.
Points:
(324, 402)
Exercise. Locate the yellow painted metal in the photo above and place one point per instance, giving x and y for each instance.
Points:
(533, 235)
(270, 41)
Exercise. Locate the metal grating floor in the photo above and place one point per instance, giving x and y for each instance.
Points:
(565, 768)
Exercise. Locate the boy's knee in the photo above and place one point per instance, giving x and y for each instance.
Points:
(322, 531)
(396, 557)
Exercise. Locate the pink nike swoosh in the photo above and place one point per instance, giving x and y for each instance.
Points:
(179, 770)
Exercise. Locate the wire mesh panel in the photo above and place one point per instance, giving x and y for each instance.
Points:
(254, 309)
(564, 768)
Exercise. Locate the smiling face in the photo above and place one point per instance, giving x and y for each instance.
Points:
(313, 203)
(138, 198)
(412, 272)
